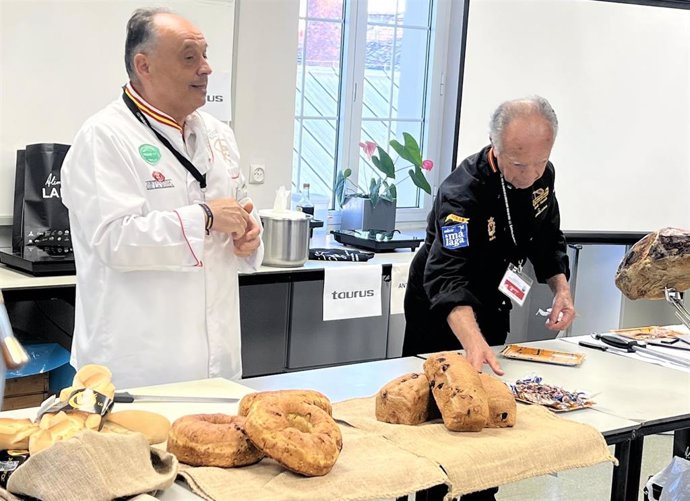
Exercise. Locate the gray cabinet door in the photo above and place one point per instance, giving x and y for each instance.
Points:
(313, 342)
(264, 313)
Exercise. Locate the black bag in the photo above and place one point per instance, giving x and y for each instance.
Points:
(40, 218)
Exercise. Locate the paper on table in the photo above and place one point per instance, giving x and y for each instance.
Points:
(399, 273)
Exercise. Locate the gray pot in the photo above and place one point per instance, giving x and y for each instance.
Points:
(359, 214)
(285, 237)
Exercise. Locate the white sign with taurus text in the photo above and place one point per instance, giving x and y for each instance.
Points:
(352, 292)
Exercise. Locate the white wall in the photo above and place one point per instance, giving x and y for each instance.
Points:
(618, 76)
(265, 85)
(61, 61)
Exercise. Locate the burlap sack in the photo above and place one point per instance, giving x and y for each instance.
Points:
(539, 444)
(369, 467)
(95, 466)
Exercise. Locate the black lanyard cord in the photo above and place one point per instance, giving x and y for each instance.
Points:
(181, 158)
(510, 220)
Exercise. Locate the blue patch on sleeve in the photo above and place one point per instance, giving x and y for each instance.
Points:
(455, 236)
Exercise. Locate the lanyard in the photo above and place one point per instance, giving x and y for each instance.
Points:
(181, 158)
(510, 220)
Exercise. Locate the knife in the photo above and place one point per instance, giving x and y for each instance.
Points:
(593, 345)
(633, 346)
(124, 397)
(608, 348)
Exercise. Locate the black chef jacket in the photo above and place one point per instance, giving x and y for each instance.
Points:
(468, 247)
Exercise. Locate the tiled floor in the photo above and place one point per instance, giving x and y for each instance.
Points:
(588, 484)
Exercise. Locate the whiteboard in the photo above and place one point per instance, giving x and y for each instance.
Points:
(63, 60)
(618, 77)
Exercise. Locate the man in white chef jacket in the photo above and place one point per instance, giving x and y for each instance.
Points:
(160, 231)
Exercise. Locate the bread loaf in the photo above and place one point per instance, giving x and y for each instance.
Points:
(15, 433)
(96, 377)
(309, 396)
(502, 406)
(301, 436)
(404, 400)
(54, 427)
(212, 440)
(154, 426)
(458, 391)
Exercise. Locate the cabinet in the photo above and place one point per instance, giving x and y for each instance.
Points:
(264, 314)
(313, 342)
(283, 330)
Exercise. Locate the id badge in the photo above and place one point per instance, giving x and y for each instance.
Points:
(515, 284)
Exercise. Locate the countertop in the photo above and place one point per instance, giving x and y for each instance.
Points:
(14, 279)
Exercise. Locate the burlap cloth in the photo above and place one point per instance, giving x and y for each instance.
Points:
(94, 466)
(369, 467)
(539, 444)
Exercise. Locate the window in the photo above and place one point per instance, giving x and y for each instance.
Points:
(365, 73)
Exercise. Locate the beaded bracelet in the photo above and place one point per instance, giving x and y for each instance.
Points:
(209, 217)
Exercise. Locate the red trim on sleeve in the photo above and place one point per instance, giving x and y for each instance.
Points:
(198, 262)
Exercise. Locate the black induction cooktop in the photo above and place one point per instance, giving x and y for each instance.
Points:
(377, 240)
(38, 262)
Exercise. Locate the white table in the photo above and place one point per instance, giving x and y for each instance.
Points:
(625, 414)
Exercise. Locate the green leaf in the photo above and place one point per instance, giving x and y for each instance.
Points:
(384, 163)
(419, 180)
(374, 188)
(340, 182)
(410, 151)
(389, 192)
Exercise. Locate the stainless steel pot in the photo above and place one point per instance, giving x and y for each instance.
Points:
(286, 238)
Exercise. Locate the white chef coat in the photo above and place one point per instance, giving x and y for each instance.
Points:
(157, 299)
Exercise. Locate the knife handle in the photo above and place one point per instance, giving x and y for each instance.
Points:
(122, 397)
(617, 342)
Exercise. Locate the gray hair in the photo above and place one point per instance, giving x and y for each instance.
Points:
(141, 36)
(509, 110)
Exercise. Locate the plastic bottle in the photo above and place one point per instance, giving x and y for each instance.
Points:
(304, 204)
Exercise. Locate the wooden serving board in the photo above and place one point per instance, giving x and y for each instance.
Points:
(517, 352)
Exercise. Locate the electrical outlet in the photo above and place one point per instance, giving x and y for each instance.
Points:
(257, 173)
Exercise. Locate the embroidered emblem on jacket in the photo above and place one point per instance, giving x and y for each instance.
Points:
(456, 219)
(159, 181)
(491, 228)
(455, 236)
(223, 147)
(150, 154)
(540, 198)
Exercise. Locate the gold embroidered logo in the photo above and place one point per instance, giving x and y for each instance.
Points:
(491, 227)
(539, 197)
(457, 219)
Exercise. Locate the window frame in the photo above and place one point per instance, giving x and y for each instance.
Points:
(354, 39)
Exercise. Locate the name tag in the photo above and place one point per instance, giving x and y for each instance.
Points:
(515, 284)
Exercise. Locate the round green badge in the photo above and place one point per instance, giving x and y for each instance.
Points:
(150, 153)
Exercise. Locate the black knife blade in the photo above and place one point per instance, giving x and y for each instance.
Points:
(593, 345)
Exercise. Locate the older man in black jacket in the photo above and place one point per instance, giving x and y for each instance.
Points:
(497, 209)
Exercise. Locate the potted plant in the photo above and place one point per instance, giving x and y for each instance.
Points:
(375, 209)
